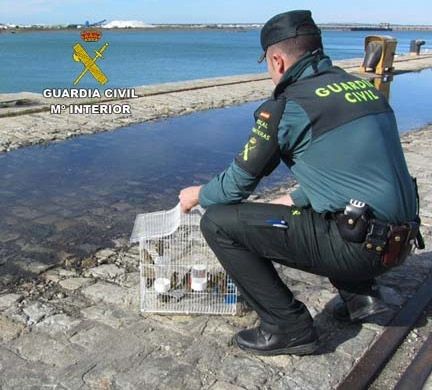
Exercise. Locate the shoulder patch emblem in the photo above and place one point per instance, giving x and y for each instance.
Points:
(265, 115)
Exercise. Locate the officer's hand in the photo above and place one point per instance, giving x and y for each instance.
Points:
(189, 198)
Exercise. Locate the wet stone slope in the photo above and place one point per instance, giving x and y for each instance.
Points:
(77, 325)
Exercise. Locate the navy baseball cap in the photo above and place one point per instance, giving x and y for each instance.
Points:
(286, 25)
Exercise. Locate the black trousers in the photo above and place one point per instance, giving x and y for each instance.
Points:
(246, 242)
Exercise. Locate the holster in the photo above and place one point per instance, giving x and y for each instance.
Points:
(354, 232)
(392, 242)
(399, 244)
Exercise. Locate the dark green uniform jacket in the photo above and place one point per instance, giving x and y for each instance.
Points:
(336, 133)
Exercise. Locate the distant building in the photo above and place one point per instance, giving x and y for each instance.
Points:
(127, 24)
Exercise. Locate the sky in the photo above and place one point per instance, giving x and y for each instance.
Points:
(211, 11)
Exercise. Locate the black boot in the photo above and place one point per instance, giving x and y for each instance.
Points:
(359, 307)
(261, 342)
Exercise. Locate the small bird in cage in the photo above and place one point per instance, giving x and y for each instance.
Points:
(186, 281)
(174, 280)
(147, 257)
(159, 247)
(218, 281)
(149, 275)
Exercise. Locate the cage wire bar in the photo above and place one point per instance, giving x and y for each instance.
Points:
(178, 271)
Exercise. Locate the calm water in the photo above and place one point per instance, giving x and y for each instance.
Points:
(78, 195)
(37, 60)
(410, 97)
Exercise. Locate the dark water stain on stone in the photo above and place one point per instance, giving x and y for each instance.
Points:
(78, 195)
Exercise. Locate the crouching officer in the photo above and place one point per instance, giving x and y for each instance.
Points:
(354, 214)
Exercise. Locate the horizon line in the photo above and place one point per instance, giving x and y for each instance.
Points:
(212, 23)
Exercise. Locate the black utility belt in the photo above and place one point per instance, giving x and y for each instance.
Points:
(392, 242)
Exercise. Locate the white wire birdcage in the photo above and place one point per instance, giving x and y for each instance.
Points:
(178, 271)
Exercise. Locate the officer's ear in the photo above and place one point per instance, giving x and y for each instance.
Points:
(278, 62)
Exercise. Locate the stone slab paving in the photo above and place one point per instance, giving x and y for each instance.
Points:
(81, 328)
(31, 123)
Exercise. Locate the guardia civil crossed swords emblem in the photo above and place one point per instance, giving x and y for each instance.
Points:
(81, 55)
